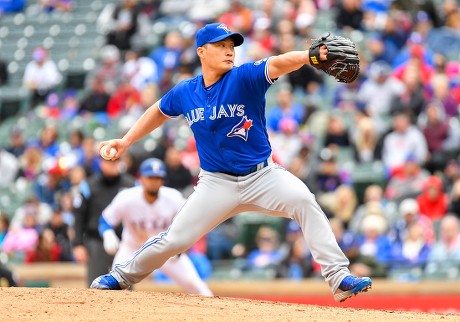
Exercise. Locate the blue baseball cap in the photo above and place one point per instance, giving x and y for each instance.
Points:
(152, 167)
(215, 32)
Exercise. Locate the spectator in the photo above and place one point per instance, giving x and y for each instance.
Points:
(95, 196)
(433, 201)
(91, 158)
(302, 13)
(412, 251)
(239, 17)
(410, 214)
(267, 254)
(46, 250)
(344, 203)
(414, 49)
(440, 89)
(56, 5)
(109, 70)
(77, 178)
(70, 105)
(96, 99)
(51, 183)
(17, 144)
(75, 154)
(375, 203)
(9, 166)
(406, 181)
(141, 71)
(66, 207)
(21, 240)
(41, 75)
(32, 207)
(364, 140)
(178, 176)
(337, 135)
(48, 141)
(349, 15)
(62, 234)
(404, 141)
(328, 175)
(412, 100)
(374, 248)
(435, 128)
(345, 238)
(263, 35)
(221, 240)
(286, 107)
(31, 162)
(167, 58)
(444, 257)
(297, 263)
(381, 49)
(287, 142)
(450, 174)
(125, 100)
(417, 63)
(378, 91)
(123, 24)
(346, 96)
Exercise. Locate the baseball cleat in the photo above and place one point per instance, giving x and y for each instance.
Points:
(351, 286)
(106, 282)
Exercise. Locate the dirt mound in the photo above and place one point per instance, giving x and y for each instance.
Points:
(63, 304)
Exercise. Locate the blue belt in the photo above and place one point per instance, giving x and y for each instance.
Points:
(252, 169)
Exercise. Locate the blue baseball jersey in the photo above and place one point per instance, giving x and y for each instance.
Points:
(227, 118)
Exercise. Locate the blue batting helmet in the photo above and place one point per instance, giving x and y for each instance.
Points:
(152, 167)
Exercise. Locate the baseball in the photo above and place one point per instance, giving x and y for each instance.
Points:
(108, 155)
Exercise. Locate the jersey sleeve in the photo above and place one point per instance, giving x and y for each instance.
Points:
(169, 104)
(255, 75)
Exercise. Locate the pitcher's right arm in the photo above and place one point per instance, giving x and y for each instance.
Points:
(149, 121)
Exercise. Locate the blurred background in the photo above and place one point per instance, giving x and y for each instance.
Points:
(380, 154)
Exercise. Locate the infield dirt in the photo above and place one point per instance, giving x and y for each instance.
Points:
(64, 304)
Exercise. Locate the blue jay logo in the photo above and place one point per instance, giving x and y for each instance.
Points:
(241, 130)
(224, 27)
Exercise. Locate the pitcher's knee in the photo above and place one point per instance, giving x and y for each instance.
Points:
(177, 246)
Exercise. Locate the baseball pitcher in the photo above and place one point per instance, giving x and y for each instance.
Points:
(225, 108)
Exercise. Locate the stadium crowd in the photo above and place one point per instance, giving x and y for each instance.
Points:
(380, 154)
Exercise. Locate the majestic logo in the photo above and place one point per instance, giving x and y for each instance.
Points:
(224, 27)
(241, 130)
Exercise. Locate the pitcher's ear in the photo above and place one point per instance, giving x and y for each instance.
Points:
(199, 51)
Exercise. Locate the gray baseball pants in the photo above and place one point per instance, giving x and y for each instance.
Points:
(272, 191)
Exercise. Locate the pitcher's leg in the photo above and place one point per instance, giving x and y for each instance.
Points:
(181, 270)
(211, 203)
(283, 194)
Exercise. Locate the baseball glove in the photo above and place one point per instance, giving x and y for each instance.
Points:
(342, 58)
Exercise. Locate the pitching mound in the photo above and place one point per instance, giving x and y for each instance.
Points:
(59, 304)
